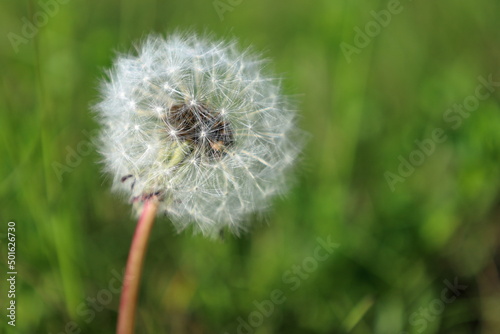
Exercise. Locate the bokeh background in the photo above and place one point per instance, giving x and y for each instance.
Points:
(365, 100)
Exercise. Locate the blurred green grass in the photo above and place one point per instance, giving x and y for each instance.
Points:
(396, 247)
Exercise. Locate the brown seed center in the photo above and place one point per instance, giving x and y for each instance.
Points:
(207, 131)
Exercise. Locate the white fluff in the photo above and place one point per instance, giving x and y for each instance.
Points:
(200, 178)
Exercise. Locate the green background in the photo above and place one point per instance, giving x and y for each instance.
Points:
(396, 247)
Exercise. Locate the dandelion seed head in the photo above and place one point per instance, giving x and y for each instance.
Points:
(200, 125)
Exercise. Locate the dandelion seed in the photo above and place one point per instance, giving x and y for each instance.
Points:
(198, 124)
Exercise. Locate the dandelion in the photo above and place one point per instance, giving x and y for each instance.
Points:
(199, 125)
(194, 129)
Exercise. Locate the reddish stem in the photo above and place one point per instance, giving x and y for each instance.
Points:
(128, 302)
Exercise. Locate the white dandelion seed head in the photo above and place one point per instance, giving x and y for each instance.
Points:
(197, 123)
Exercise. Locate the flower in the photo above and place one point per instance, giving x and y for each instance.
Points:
(198, 124)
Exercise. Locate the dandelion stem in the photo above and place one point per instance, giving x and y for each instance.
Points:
(128, 302)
